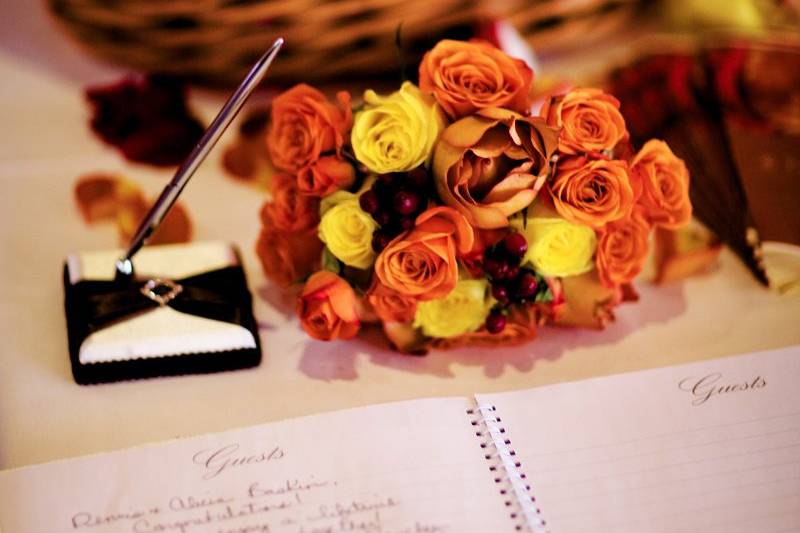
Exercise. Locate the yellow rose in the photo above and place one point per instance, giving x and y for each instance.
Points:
(557, 247)
(396, 133)
(463, 310)
(347, 230)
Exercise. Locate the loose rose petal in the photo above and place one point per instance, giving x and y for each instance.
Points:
(175, 228)
(108, 197)
(100, 196)
(240, 161)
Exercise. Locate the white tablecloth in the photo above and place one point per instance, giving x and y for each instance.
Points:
(45, 145)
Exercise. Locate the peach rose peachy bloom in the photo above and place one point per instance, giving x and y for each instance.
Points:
(492, 164)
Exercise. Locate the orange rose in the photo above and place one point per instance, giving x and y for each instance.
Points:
(467, 76)
(288, 257)
(622, 249)
(589, 119)
(326, 176)
(305, 125)
(390, 305)
(492, 164)
(422, 262)
(289, 211)
(592, 191)
(661, 183)
(327, 307)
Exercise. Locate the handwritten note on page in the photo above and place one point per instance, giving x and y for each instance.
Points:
(711, 447)
(410, 467)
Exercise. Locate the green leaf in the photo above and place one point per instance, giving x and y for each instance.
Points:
(544, 296)
(329, 261)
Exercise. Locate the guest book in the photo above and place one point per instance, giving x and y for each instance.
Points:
(710, 446)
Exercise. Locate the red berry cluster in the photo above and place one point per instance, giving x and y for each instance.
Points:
(510, 283)
(395, 201)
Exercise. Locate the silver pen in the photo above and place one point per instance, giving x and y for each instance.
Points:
(174, 188)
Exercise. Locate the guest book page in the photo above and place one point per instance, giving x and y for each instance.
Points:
(712, 447)
(410, 467)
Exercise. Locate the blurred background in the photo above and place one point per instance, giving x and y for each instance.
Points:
(214, 41)
(718, 79)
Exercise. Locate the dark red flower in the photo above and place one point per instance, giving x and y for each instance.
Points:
(146, 118)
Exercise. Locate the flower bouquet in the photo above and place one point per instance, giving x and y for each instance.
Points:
(450, 214)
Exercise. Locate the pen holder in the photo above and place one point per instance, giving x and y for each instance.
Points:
(187, 311)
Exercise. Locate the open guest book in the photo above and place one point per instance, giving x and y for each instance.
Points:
(710, 446)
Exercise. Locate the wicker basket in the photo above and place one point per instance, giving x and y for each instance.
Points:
(215, 41)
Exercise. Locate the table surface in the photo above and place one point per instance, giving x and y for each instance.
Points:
(45, 146)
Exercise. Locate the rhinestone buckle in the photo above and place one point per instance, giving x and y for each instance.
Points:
(162, 291)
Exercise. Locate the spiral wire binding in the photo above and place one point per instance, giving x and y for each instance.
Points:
(505, 467)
